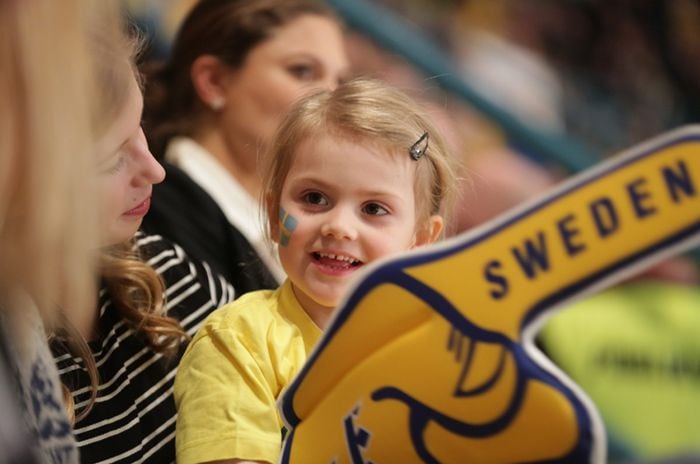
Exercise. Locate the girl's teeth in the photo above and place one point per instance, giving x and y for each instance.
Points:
(337, 257)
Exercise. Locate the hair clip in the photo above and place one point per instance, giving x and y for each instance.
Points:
(418, 149)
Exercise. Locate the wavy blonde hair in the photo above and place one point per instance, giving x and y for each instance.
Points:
(138, 294)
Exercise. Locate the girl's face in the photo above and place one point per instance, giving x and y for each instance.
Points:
(127, 172)
(304, 55)
(344, 205)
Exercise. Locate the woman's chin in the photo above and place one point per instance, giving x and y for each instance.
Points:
(122, 233)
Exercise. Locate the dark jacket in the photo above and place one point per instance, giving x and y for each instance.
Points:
(184, 213)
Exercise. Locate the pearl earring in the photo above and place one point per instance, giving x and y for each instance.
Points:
(217, 103)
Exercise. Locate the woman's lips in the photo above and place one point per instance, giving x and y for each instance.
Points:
(141, 209)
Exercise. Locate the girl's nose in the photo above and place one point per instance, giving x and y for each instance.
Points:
(340, 224)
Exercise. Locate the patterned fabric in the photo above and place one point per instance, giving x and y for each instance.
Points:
(34, 427)
(133, 419)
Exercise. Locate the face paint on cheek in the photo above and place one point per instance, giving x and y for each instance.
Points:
(287, 225)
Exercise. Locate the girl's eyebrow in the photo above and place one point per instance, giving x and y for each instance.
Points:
(329, 186)
(312, 180)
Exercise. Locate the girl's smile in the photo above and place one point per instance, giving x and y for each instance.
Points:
(335, 263)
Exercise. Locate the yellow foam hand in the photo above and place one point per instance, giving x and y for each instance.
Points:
(430, 359)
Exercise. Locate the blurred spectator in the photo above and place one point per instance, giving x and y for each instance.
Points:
(234, 69)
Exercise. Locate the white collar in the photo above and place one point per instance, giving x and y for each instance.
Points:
(240, 208)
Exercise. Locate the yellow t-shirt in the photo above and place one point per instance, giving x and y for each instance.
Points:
(234, 369)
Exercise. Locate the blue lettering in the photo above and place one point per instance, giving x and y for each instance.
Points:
(533, 256)
(356, 439)
(568, 234)
(676, 181)
(638, 197)
(499, 281)
(605, 216)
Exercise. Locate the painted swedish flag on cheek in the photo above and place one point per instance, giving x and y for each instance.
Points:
(431, 359)
(287, 224)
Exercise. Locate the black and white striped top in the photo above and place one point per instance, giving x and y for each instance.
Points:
(133, 419)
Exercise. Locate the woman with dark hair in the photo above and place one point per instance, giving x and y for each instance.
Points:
(236, 66)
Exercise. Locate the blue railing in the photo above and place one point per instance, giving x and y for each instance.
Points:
(398, 36)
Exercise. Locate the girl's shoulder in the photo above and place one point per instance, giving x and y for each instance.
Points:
(253, 307)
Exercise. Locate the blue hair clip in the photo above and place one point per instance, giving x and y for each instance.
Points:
(419, 148)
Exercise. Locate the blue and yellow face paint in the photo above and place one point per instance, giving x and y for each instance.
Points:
(431, 359)
(287, 225)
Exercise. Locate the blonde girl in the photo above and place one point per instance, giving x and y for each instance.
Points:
(353, 175)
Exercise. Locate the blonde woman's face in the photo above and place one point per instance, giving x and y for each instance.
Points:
(304, 55)
(127, 172)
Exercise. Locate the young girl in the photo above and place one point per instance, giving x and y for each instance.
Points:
(353, 175)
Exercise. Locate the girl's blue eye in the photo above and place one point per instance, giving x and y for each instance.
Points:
(316, 198)
(375, 209)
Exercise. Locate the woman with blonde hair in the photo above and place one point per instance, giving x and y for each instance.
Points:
(117, 362)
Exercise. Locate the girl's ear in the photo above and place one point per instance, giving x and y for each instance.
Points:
(209, 77)
(272, 221)
(430, 232)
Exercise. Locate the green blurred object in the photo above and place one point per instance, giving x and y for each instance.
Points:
(635, 350)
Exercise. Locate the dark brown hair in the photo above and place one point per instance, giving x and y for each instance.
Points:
(225, 29)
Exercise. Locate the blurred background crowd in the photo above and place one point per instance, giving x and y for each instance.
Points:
(123, 226)
(609, 73)
(586, 78)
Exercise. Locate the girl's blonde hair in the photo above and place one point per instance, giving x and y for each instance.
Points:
(366, 111)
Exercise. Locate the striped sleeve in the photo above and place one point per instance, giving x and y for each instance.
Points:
(133, 419)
